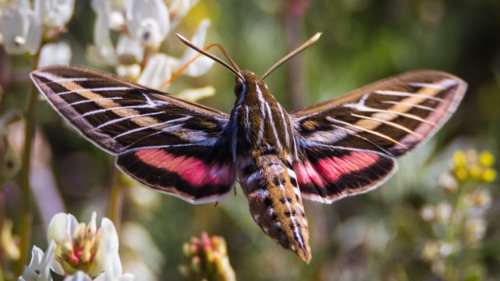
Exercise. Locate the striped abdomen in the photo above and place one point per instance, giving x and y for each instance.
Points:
(265, 150)
(270, 186)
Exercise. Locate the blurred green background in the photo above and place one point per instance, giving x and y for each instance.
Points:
(377, 236)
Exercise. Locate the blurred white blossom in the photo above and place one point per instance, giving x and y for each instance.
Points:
(148, 21)
(103, 51)
(24, 24)
(87, 248)
(156, 72)
(475, 230)
(39, 266)
(178, 9)
(129, 51)
(55, 54)
(202, 64)
(428, 213)
(443, 212)
(142, 27)
(20, 27)
(196, 94)
(54, 13)
(132, 71)
(141, 248)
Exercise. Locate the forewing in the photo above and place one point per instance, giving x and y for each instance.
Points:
(389, 117)
(137, 123)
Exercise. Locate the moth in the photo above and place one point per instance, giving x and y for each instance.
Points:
(325, 152)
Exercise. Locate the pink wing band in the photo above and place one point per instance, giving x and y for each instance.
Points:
(192, 170)
(331, 169)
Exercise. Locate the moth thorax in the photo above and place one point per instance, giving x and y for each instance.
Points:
(275, 203)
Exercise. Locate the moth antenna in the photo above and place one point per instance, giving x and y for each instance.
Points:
(233, 67)
(292, 54)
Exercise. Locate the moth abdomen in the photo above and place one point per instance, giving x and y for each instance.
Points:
(275, 203)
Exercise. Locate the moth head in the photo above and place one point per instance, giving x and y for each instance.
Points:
(250, 81)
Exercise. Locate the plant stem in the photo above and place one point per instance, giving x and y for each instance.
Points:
(294, 25)
(116, 199)
(24, 182)
(452, 229)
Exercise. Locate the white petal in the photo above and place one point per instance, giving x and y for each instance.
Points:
(21, 29)
(103, 51)
(34, 35)
(196, 94)
(36, 257)
(111, 235)
(129, 50)
(78, 276)
(39, 266)
(55, 54)
(126, 277)
(131, 72)
(92, 226)
(61, 227)
(54, 13)
(156, 72)
(149, 33)
(141, 14)
(113, 266)
(107, 256)
(202, 64)
(180, 7)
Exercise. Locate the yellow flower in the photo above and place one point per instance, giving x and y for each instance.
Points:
(486, 159)
(470, 164)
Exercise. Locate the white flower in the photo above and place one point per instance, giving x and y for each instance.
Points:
(132, 71)
(112, 11)
(156, 72)
(129, 50)
(55, 54)
(103, 51)
(39, 267)
(428, 213)
(54, 13)
(148, 21)
(78, 276)
(443, 212)
(475, 230)
(202, 64)
(21, 29)
(178, 9)
(82, 276)
(81, 247)
(196, 94)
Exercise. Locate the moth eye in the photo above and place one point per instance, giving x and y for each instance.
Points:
(238, 87)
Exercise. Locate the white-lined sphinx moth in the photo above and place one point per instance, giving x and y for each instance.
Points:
(323, 153)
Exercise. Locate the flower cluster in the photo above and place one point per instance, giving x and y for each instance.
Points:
(142, 26)
(208, 259)
(78, 251)
(458, 220)
(25, 26)
(473, 165)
